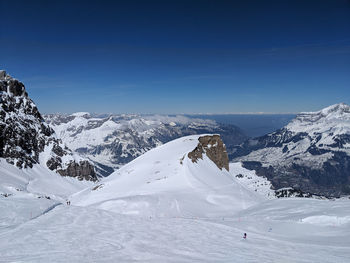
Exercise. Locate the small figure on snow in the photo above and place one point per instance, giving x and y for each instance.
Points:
(245, 236)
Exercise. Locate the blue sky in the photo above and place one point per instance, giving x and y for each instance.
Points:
(178, 56)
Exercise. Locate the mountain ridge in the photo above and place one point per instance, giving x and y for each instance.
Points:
(311, 153)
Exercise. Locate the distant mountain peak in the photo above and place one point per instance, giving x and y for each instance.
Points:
(331, 111)
(334, 117)
(311, 153)
(81, 114)
(336, 108)
(3, 75)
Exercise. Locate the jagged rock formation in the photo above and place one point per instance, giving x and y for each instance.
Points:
(290, 192)
(310, 154)
(214, 148)
(25, 138)
(83, 170)
(111, 141)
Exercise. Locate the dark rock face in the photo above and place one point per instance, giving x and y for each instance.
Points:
(290, 192)
(23, 132)
(83, 171)
(214, 148)
(24, 135)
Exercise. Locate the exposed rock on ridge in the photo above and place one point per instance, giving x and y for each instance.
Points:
(214, 148)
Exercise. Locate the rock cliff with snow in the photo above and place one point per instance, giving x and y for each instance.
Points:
(26, 139)
(214, 148)
(310, 154)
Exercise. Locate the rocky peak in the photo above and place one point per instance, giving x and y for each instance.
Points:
(214, 148)
(25, 138)
(11, 86)
(2, 74)
(339, 108)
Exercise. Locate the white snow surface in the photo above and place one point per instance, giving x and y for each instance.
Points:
(161, 207)
(28, 190)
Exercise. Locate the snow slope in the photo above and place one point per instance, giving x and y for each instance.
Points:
(163, 208)
(28, 193)
(165, 182)
(279, 230)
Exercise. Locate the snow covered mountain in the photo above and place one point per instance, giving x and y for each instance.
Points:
(311, 153)
(26, 140)
(185, 177)
(176, 203)
(110, 141)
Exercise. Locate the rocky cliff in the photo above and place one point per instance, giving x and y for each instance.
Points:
(25, 138)
(214, 148)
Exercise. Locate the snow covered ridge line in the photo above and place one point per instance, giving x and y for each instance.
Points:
(182, 178)
(311, 154)
(113, 140)
(25, 138)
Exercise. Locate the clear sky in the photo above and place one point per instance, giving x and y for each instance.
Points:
(178, 56)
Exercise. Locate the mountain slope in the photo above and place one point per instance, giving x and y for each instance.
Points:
(25, 138)
(110, 141)
(171, 180)
(29, 193)
(311, 153)
(175, 203)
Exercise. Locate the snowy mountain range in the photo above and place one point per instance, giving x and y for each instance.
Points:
(311, 153)
(110, 141)
(26, 140)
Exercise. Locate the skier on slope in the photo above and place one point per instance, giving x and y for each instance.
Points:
(245, 235)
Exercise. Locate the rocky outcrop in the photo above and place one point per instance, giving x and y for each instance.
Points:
(83, 171)
(24, 135)
(214, 148)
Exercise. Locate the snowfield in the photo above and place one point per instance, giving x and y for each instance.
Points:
(161, 207)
